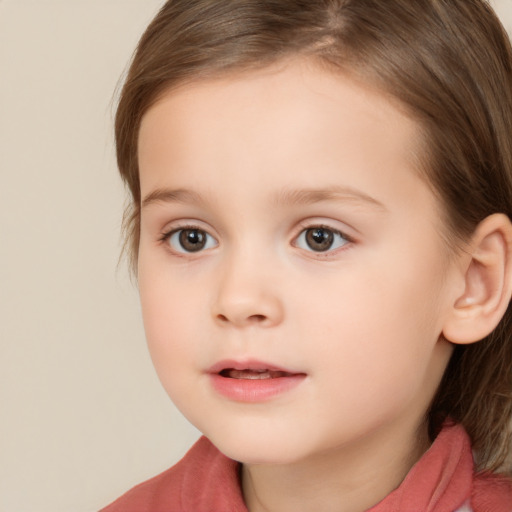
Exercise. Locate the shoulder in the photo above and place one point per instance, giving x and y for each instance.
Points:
(492, 493)
(202, 479)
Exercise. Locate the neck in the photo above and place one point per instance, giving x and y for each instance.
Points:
(346, 479)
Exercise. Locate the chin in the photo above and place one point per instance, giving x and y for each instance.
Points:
(258, 446)
(253, 454)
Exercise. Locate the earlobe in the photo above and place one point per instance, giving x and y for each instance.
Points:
(487, 282)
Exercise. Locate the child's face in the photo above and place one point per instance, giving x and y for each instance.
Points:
(308, 246)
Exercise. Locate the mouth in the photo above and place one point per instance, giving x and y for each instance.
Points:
(250, 374)
(251, 369)
(252, 381)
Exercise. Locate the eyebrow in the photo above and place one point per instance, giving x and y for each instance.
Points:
(164, 195)
(298, 197)
(285, 197)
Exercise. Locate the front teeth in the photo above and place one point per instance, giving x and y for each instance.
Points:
(253, 374)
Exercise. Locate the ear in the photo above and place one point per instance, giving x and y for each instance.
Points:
(487, 282)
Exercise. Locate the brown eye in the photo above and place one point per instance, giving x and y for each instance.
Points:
(189, 240)
(192, 240)
(321, 239)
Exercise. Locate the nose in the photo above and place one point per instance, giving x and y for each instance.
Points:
(248, 296)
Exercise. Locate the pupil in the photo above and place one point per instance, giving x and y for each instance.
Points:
(192, 240)
(319, 239)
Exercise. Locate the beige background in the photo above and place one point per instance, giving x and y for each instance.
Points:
(83, 417)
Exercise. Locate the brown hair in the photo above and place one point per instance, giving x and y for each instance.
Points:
(448, 62)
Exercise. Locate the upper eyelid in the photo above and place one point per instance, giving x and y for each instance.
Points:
(327, 228)
(174, 226)
(310, 224)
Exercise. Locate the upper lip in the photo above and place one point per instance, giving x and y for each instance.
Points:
(248, 364)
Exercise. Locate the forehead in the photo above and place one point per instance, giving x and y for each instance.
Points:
(279, 126)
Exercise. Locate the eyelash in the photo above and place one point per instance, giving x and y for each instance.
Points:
(334, 233)
(167, 236)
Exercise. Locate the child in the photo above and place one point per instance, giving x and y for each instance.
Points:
(320, 226)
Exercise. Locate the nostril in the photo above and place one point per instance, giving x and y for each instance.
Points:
(257, 318)
(248, 320)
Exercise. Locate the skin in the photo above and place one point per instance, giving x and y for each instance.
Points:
(363, 320)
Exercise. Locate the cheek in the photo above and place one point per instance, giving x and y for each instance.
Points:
(374, 327)
(170, 316)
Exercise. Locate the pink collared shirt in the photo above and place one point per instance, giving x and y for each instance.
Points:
(443, 480)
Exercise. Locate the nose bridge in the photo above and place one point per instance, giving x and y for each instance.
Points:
(247, 293)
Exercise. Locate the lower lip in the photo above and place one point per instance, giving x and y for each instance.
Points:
(254, 390)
